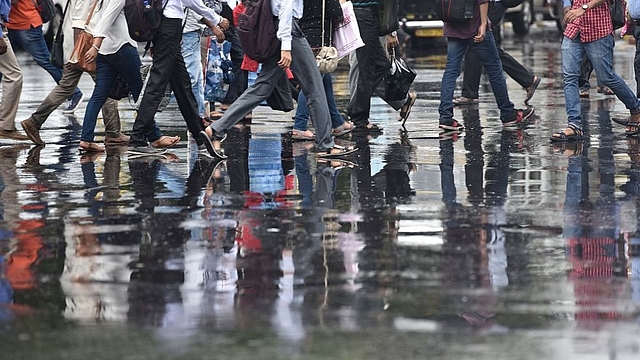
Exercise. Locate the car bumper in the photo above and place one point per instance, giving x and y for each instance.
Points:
(428, 28)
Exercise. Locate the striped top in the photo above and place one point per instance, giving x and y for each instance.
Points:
(364, 3)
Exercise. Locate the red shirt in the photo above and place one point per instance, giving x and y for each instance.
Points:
(593, 25)
(23, 16)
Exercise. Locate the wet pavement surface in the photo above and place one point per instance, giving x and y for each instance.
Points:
(494, 245)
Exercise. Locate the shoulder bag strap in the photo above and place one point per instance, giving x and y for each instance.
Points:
(93, 8)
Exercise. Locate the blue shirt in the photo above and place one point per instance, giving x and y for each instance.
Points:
(634, 8)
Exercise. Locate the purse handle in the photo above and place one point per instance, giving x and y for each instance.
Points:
(64, 14)
(93, 8)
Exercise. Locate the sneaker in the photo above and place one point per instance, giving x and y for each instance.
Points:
(13, 135)
(202, 151)
(73, 103)
(532, 89)
(33, 132)
(145, 150)
(521, 116)
(122, 139)
(454, 126)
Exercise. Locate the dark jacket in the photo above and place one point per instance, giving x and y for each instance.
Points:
(311, 22)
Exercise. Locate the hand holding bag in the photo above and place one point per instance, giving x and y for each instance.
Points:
(346, 36)
(388, 16)
(327, 58)
(57, 54)
(82, 45)
(399, 79)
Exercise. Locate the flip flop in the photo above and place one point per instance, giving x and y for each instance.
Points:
(405, 110)
(300, 136)
(92, 148)
(165, 142)
(337, 151)
(343, 129)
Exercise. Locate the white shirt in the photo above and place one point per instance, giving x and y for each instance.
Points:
(174, 10)
(286, 10)
(109, 22)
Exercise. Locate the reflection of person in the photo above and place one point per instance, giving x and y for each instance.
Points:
(393, 179)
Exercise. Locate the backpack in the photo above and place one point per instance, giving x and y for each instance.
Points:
(143, 18)
(456, 12)
(257, 31)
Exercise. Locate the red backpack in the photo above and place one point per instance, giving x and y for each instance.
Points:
(257, 31)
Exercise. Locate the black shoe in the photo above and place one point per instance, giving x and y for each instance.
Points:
(210, 144)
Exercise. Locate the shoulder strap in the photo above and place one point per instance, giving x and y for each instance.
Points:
(93, 8)
(64, 13)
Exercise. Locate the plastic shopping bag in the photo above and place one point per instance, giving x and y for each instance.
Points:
(219, 72)
(399, 79)
(346, 37)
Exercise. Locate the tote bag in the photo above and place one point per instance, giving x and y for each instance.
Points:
(399, 79)
(346, 36)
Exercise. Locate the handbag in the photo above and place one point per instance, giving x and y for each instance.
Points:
(82, 45)
(399, 79)
(346, 36)
(218, 71)
(388, 10)
(46, 9)
(57, 53)
(327, 58)
(617, 11)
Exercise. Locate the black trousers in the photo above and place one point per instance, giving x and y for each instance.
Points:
(168, 67)
(473, 67)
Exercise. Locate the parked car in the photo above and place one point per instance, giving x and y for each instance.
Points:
(419, 18)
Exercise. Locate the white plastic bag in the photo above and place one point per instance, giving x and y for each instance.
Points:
(347, 34)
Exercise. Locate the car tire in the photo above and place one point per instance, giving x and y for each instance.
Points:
(522, 20)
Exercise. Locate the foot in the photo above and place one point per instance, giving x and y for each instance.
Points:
(32, 130)
(90, 147)
(13, 135)
(337, 151)
(165, 142)
(213, 142)
(584, 93)
(370, 128)
(605, 90)
(343, 129)
(405, 110)
(570, 133)
(453, 126)
(531, 89)
(521, 116)
(302, 135)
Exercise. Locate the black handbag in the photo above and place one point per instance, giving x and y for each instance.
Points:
(388, 16)
(46, 9)
(399, 79)
(617, 10)
(57, 52)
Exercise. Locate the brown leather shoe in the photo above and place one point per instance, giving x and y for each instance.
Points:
(13, 135)
(122, 139)
(33, 132)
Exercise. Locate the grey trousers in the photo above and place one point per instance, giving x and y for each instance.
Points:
(67, 86)
(304, 67)
(11, 87)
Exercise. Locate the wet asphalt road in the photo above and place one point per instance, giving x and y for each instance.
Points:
(493, 246)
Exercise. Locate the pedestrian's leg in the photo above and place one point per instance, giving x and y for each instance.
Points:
(472, 73)
(190, 48)
(488, 54)
(105, 77)
(305, 67)
(636, 59)
(65, 88)
(600, 53)
(11, 87)
(456, 49)
(572, 54)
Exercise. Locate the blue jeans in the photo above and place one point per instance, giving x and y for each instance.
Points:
(600, 53)
(32, 41)
(487, 53)
(126, 63)
(302, 112)
(190, 46)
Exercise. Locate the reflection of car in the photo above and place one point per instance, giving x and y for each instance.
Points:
(419, 18)
(523, 15)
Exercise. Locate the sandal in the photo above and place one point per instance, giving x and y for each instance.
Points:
(216, 115)
(213, 143)
(605, 90)
(569, 149)
(623, 122)
(633, 129)
(337, 164)
(343, 129)
(454, 126)
(165, 142)
(463, 100)
(584, 93)
(405, 110)
(562, 136)
(302, 135)
(371, 128)
(337, 151)
(90, 147)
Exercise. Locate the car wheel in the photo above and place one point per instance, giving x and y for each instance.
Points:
(522, 20)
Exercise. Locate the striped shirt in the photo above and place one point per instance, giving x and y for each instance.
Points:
(364, 3)
(593, 25)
